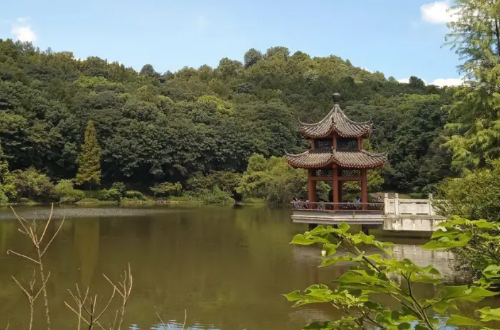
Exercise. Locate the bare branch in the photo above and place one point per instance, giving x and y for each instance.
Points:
(22, 255)
(54, 236)
(48, 222)
(26, 293)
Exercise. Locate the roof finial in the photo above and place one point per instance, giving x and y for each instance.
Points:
(336, 98)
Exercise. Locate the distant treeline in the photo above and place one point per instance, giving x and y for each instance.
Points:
(169, 127)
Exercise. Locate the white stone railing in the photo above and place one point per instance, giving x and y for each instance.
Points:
(401, 207)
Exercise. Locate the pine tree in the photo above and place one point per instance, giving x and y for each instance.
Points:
(89, 159)
(7, 180)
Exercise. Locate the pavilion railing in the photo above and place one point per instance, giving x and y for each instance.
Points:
(338, 207)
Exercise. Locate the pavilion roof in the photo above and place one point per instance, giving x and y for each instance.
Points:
(335, 122)
(319, 158)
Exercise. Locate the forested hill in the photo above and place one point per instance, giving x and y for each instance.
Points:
(156, 127)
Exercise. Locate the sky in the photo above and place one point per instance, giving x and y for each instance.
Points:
(400, 38)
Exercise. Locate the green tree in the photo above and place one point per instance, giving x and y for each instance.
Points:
(251, 57)
(89, 159)
(475, 34)
(276, 182)
(473, 134)
(7, 180)
(474, 195)
(31, 184)
(416, 82)
(148, 71)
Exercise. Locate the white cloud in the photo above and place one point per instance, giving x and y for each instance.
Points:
(438, 12)
(441, 82)
(23, 31)
(407, 80)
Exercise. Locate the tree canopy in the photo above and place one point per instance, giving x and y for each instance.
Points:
(165, 127)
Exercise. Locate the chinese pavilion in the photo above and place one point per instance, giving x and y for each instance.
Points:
(336, 155)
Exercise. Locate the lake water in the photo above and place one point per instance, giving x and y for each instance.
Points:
(226, 267)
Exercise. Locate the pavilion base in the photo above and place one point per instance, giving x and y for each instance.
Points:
(422, 223)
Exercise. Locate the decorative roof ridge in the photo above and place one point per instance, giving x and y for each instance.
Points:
(342, 113)
(317, 151)
(375, 154)
(318, 122)
(296, 155)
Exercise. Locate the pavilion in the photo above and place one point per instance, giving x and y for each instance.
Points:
(337, 156)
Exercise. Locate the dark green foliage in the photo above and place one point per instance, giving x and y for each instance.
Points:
(148, 71)
(251, 57)
(416, 82)
(165, 128)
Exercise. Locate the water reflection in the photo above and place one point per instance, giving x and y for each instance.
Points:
(227, 267)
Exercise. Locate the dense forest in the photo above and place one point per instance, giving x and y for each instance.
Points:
(168, 127)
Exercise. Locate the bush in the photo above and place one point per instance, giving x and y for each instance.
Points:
(66, 193)
(217, 196)
(120, 186)
(227, 181)
(32, 184)
(109, 195)
(167, 188)
(134, 194)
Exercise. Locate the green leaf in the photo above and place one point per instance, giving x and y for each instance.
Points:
(462, 320)
(319, 326)
(404, 326)
(344, 227)
(333, 260)
(441, 306)
(299, 239)
(489, 314)
(293, 296)
(462, 292)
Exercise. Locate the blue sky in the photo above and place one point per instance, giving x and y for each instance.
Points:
(397, 37)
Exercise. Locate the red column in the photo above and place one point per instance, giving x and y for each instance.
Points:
(360, 143)
(341, 186)
(334, 142)
(335, 187)
(364, 188)
(312, 190)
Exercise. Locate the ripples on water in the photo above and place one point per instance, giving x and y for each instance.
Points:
(228, 267)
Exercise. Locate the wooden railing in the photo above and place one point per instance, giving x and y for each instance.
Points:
(338, 207)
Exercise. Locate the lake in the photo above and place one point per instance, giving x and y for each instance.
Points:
(227, 267)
